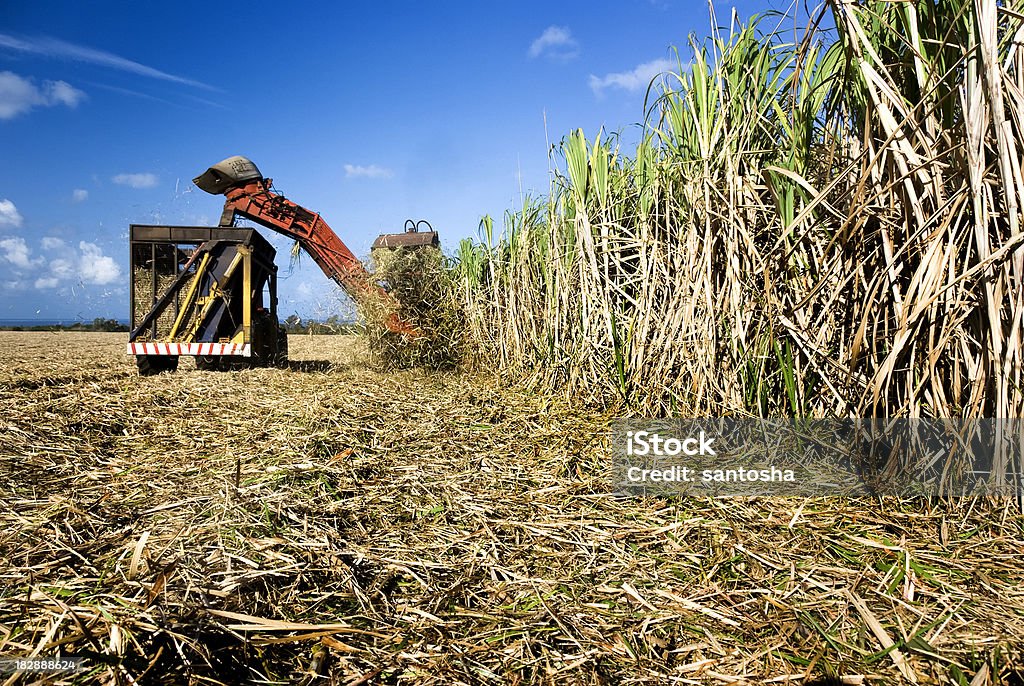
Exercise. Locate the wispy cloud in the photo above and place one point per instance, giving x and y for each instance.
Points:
(129, 92)
(79, 195)
(9, 215)
(555, 43)
(633, 80)
(372, 171)
(144, 180)
(19, 94)
(178, 101)
(47, 46)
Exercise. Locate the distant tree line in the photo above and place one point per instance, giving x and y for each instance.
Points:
(98, 324)
(294, 324)
(332, 325)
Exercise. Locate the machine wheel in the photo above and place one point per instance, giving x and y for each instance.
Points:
(208, 363)
(224, 363)
(233, 363)
(281, 354)
(151, 365)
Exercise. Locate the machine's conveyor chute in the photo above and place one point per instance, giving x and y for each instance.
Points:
(248, 194)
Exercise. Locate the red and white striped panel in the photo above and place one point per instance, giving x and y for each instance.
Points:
(240, 349)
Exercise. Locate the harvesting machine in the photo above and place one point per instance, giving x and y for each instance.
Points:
(211, 292)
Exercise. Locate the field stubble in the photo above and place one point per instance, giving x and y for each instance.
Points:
(436, 528)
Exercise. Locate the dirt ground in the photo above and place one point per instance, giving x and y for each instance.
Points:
(328, 523)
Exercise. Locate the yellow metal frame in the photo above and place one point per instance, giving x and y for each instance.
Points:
(217, 290)
(188, 296)
(247, 289)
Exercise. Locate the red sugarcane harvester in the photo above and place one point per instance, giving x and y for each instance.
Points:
(211, 292)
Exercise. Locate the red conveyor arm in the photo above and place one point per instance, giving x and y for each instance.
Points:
(256, 201)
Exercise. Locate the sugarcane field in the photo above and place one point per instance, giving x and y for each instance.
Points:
(625, 343)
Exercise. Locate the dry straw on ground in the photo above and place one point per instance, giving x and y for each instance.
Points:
(408, 527)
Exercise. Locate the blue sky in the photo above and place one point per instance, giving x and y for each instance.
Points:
(369, 114)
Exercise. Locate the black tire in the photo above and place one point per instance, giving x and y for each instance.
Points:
(233, 363)
(208, 363)
(151, 365)
(223, 363)
(281, 354)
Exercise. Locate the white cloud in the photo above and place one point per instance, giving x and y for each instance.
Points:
(145, 180)
(372, 171)
(95, 267)
(556, 43)
(62, 92)
(86, 265)
(19, 94)
(9, 215)
(62, 268)
(79, 195)
(634, 80)
(54, 47)
(16, 251)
